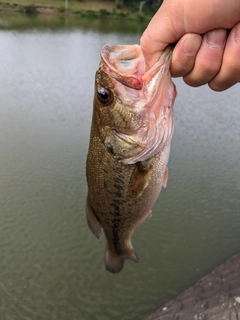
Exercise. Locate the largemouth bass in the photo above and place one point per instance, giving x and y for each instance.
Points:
(132, 128)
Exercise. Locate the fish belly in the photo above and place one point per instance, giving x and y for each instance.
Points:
(120, 198)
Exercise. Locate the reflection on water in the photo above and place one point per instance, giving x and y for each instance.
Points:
(24, 22)
(51, 265)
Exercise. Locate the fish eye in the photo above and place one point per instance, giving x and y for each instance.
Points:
(104, 95)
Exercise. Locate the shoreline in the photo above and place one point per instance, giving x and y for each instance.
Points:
(62, 12)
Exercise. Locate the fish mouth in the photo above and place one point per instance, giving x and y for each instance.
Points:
(150, 92)
(126, 64)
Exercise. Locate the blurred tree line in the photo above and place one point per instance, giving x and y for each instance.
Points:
(149, 5)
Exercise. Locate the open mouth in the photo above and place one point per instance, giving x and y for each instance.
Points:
(126, 64)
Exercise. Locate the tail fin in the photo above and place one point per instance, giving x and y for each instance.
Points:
(114, 261)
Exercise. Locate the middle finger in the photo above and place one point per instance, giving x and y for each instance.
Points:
(209, 58)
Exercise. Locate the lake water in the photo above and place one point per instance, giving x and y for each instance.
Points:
(51, 265)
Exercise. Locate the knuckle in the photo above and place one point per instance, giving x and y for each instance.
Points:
(217, 86)
(232, 66)
(179, 69)
(142, 40)
(210, 67)
(192, 81)
(223, 83)
(145, 41)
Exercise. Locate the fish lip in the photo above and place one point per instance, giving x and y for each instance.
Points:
(130, 80)
(164, 58)
(135, 81)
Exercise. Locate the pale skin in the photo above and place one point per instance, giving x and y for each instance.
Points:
(207, 37)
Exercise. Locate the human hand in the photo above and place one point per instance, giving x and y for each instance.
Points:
(206, 52)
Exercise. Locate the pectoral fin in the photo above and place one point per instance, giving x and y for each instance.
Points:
(93, 223)
(139, 179)
(165, 177)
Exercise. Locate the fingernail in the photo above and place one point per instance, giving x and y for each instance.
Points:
(216, 38)
(236, 33)
(191, 44)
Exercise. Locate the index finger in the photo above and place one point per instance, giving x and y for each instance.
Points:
(152, 43)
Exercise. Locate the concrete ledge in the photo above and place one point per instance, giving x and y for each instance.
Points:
(216, 296)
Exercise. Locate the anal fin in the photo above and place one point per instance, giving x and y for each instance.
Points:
(93, 223)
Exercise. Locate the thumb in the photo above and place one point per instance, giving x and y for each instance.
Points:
(165, 27)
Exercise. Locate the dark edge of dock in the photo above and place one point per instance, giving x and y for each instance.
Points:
(216, 296)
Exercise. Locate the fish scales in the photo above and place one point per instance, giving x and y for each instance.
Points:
(124, 177)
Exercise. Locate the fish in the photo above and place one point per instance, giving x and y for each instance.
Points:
(130, 139)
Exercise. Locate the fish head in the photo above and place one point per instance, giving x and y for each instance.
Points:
(133, 104)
